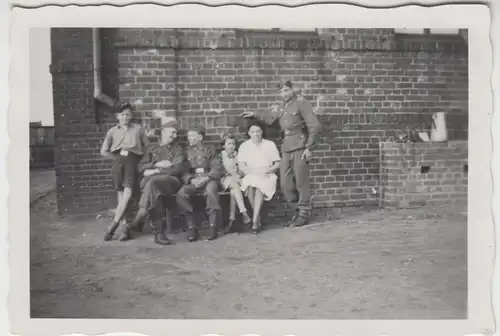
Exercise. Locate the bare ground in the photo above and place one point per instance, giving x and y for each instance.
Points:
(376, 264)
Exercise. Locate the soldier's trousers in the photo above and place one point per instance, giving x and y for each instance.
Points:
(294, 180)
(210, 190)
(155, 186)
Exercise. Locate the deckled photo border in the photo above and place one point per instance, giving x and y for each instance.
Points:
(476, 18)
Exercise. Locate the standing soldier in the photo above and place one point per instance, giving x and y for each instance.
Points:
(300, 128)
(205, 170)
(162, 168)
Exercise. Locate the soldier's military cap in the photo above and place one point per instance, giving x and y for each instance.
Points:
(170, 123)
(199, 129)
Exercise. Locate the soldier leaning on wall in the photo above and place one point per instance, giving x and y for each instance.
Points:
(125, 144)
(300, 129)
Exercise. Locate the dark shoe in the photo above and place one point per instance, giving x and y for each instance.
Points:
(212, 233)
(192, 233)
(110, 231)
(300, 221)
(256, 227)
(212, 222)
(229, 226)
(160, 237)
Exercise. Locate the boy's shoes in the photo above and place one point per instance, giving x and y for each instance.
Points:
(110, 231)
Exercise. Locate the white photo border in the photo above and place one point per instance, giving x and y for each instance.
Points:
(476, 18)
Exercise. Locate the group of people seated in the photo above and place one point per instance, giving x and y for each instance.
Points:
(168, 169)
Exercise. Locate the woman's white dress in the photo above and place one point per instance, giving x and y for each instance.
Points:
(258, 159)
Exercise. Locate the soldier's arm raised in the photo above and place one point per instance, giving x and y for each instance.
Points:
(267, 117)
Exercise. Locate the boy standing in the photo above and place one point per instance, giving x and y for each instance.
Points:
(124, 144)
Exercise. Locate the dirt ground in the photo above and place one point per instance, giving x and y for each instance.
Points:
(364, 264)
(42, 182)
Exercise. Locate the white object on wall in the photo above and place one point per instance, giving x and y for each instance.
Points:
(439, 132)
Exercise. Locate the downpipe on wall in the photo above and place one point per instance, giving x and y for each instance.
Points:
(96, 54)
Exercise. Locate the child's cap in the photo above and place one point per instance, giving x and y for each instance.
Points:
(170, 123)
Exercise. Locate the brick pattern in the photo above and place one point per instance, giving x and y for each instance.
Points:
(361, 96)
(407, 182)
(82, 175)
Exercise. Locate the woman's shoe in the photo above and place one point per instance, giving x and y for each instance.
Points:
(229, 226)
(256, 227)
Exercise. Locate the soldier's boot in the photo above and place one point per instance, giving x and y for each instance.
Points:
(192, 233)
(301, 220)
(212, 222)
(159, 233)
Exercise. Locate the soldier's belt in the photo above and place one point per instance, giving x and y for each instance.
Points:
(293, 131)
(199, 171)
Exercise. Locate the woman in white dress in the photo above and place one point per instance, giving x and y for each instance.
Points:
(258, 159)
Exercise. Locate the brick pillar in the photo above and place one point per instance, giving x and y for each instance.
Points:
(82, 176)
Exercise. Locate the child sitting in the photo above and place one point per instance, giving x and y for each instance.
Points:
(232, 181)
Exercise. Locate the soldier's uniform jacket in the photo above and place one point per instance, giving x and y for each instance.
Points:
(298, 123)
(172, 152)
(203, 160)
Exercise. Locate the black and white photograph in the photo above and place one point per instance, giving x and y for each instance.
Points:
(253, 173)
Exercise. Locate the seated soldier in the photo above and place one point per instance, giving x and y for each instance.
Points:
(204, 173)
(162, 168)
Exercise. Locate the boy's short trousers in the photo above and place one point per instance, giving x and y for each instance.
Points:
(124, 171)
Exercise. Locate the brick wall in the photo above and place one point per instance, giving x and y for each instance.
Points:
(421, 173)
(82, 176)
(361, 96)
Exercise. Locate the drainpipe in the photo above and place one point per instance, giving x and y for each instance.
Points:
(96, 46)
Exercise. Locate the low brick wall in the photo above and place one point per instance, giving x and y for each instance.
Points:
(415, 174)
